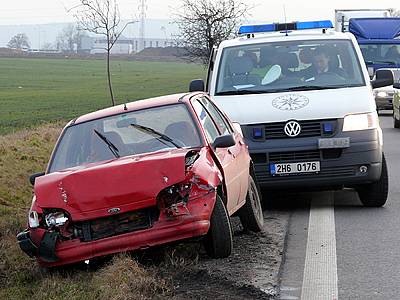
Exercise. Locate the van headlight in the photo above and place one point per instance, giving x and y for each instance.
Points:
(381, 94)
(360, 122)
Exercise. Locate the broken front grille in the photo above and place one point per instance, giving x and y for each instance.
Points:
(115, 225)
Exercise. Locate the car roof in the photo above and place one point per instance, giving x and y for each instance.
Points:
(135, 105)
(296, 35)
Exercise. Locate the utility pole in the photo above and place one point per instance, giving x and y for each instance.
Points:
(142, 10)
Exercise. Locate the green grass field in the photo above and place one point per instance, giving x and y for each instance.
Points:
(35, 91)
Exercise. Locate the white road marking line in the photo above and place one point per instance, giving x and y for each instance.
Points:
(320, 267)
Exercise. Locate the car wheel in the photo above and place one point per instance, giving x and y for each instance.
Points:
(396, 122)
(219, 240)
(251, 214)
(375, 194)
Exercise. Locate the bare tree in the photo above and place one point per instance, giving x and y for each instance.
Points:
(19, 41)
(206, 23)
(70, 38)
(101, 17)
(47, 46)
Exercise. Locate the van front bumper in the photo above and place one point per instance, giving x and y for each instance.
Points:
(339, 168)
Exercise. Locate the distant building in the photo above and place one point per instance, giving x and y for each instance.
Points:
(123, 45)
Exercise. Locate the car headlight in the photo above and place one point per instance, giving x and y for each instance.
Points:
(360, 122)
(55, 219)
(33, 219)
(382, 94)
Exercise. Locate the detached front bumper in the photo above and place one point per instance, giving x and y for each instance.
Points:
(51, 250)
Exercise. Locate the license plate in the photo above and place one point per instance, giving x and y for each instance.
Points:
(295, 168)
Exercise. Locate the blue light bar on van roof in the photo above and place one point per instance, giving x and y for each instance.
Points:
(249, 29)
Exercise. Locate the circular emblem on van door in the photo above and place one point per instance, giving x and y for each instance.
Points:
(292, 129)
(290, 102)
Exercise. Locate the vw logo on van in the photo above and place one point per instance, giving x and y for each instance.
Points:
(290, 102)
(292, 128)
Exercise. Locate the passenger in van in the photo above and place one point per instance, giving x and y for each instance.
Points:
(267, 60)
(240, 73)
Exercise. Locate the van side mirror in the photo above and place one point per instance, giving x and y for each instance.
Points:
(382, 78)
(224, 141)
(33, 177)
(196, 85)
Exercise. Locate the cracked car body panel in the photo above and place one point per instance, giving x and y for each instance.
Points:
(127, 183)
(131, 202)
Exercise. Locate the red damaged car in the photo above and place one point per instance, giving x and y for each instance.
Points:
(142, 174)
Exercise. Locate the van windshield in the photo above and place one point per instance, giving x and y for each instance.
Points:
(288, 66)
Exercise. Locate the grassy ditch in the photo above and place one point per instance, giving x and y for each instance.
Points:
(122, 277)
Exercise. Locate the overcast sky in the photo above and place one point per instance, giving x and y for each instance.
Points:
(49, 11)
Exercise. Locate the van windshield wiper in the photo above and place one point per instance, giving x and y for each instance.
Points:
(110, 145)
(240, 92)
(158, 135)
(313, 87)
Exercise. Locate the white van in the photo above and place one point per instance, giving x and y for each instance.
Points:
(303, 97)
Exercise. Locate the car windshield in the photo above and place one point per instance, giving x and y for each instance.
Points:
(285, 66)
(386, 54)
(143, 131)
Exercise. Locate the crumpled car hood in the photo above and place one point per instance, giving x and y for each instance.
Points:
(126, 183)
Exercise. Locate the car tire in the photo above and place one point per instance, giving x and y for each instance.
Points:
(375, 194)
(251, 214)
(396, 122)
(218, 242)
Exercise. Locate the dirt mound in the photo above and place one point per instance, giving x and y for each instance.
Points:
(167, 51)
(8, 51)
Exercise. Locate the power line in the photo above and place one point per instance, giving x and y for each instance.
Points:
(142, 16)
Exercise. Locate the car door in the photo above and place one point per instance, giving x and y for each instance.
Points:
(239, 151)
(226, 156)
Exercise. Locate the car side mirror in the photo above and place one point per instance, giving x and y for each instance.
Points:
(224, 141)
(196, 85)
(382, 78)
(238, 128)
(396, 85)
(33, 177)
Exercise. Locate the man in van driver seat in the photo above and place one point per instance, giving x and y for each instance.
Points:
(323, 63)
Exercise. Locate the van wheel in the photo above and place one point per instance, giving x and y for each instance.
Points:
(219, 240)
(375, 194)
(396, 122)
(251, 214)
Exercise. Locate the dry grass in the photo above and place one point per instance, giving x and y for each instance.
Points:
(124, 278)
(22, 154)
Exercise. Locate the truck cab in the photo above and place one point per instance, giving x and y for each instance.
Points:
(303, 97)
(379, 41)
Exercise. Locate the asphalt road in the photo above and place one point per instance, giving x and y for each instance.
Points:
(359, 256)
